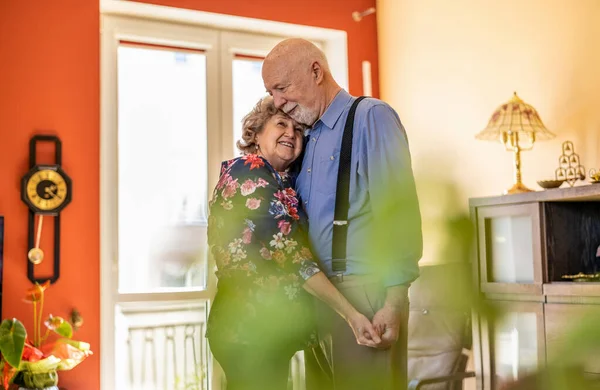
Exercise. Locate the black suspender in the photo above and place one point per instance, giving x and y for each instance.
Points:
(342, 197)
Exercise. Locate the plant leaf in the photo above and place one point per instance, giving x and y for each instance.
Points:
(65, 330)
(60, 326)
(12, 341)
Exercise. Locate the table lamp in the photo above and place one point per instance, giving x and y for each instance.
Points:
(517, 125)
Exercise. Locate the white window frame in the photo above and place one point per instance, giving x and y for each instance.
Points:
(114, 30)
(220, 36)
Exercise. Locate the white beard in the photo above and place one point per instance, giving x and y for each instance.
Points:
(301, 114)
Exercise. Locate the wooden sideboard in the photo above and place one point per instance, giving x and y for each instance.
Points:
(525, 244)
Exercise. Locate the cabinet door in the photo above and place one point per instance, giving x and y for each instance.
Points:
(572, 333)
(513, 342)
(509, 247)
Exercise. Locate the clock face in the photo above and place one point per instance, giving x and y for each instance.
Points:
(47, 189)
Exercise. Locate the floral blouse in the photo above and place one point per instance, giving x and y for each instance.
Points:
(257, 234)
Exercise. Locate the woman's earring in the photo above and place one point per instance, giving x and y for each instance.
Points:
(256, 146)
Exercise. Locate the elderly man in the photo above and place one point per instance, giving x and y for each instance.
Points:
(375, 255)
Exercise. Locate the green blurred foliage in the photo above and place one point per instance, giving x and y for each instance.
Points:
(446, 217)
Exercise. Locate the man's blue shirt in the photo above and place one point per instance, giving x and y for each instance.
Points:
(384, 223)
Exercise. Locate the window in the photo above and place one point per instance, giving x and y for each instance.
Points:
(248, 88)
(160, 86)
(173, 97)
(162, 183)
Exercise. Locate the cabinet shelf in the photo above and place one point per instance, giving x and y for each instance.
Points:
(525, 244)
(572, 235)
(587, 289)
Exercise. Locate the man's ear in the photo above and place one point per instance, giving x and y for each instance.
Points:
(317, 72)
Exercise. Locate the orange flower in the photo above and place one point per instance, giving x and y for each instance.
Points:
(31, 353)
(35, 293)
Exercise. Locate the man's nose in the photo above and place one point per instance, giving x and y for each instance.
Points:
(278, 100)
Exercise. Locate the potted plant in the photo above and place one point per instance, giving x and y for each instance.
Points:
(31, 361)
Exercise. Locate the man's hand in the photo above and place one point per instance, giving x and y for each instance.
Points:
(387, 323)
(387, 320)
(364, 331)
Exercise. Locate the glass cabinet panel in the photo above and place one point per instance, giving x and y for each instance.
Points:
(516, 341)
(509, 243)
(515, 345)
(510, 249)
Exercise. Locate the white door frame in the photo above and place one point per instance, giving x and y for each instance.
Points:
(333, 42)
(116, 29)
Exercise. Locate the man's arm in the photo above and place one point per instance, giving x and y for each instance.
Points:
(396, 235)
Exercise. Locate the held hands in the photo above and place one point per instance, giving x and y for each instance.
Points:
(382, 333)
(364, 331)
(387, 324)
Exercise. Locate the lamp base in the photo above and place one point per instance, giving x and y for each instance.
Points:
(518, 188)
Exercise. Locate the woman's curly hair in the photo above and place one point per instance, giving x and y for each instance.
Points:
(254, 123)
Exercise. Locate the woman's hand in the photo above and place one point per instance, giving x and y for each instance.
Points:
(320, 286)
(363, 330)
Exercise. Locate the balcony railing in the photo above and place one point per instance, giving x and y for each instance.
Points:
(162, 347)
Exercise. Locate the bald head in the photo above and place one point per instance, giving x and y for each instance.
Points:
(297, 75)
(296, 52)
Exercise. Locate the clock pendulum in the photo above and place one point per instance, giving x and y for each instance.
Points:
(36, 254)
(46, 190)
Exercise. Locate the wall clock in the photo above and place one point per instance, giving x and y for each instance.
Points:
(46, 189)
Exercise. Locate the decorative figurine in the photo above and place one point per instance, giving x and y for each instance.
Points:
(569, 168)
(594, 176)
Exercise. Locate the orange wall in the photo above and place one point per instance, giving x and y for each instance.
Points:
(49, 79)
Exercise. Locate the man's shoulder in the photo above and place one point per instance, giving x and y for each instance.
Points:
(369, 102)
(373, 109)
(374, 106)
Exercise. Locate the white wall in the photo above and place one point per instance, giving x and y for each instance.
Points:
(446, 66)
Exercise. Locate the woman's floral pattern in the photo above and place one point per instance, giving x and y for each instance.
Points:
(253, 203)
(257, 236)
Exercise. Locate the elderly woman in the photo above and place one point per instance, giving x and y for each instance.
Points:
(262, 313)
